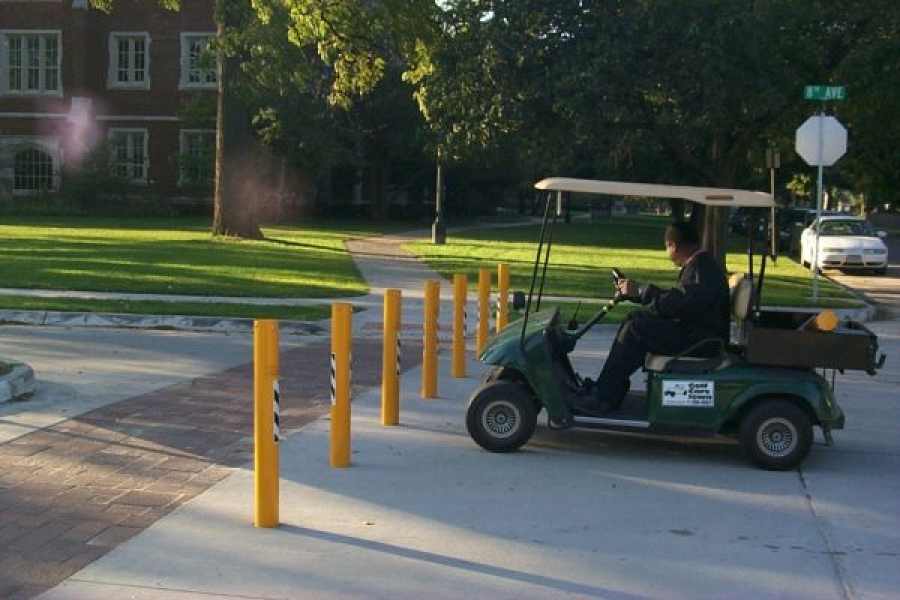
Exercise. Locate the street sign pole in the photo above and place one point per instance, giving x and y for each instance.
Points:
(819, 199)
(821, 152)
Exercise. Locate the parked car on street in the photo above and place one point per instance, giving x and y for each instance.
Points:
(790, 221)
(845, 242)
(740, 218)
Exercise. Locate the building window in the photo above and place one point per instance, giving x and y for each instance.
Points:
(197, 160)
(29, 164)
(30, 62)
(198, 68)
(128, 154)
(32, 171)
(129, 60)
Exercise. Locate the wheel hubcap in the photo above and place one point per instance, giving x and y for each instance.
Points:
(501, 419)
(777, 437)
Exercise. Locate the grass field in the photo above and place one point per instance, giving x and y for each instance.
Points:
(583, 254)
(179, 257)
(311, 261)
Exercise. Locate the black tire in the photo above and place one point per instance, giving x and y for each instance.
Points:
(502, 416)
(881, 271)
(777, 435)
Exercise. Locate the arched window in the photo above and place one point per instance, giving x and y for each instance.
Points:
(33, 171)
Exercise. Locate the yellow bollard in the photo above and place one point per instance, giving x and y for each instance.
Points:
(460, 291)
(429, 350)
(502, 294)
(340, 386)
(484, 293)
(265, 456)
(390, 363)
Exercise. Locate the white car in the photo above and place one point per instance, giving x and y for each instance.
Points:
(846, 243)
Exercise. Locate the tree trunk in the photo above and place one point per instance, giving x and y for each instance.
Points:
(236, 195)
(714, 233)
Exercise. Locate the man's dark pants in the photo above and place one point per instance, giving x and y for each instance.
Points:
(642, 332)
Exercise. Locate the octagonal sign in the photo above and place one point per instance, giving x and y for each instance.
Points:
(834, 140)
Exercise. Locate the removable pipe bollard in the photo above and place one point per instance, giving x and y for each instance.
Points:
(390, 363)
(502, 295)
(460, 292)
(429, 339)
(484, 293)
(265, 429)
(341, 314)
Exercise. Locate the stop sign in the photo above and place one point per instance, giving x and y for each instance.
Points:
(834, 140)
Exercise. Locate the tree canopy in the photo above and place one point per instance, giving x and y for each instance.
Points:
(697, 84)
(682, 91)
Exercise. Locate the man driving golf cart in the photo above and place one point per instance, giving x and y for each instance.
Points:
(670, 321)
(761, 388)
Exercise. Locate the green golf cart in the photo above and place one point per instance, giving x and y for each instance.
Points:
(763, 388)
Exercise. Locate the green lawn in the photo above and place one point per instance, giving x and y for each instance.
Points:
(311, 261)
(179, 257)
(584, 252)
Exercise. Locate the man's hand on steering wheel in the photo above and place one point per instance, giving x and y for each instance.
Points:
(628, 289)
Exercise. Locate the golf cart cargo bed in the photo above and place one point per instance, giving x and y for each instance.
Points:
(778, 339)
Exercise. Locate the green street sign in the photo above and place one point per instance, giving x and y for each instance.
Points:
(825, 92)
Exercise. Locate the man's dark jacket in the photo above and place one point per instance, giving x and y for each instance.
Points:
(700, 300)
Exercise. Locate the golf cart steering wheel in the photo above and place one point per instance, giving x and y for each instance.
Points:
(617, 276)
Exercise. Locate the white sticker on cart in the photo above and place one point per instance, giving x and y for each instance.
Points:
(688, 393)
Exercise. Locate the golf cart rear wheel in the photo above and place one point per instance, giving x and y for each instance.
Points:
(777, 435)
(501, 416)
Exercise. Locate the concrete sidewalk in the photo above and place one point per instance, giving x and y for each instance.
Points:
(423, 512)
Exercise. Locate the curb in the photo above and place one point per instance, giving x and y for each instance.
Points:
(174, 322)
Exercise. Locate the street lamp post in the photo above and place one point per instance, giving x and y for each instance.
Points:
(773, 163)
(439, 229)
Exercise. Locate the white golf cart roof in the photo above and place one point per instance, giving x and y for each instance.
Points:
(702, 195)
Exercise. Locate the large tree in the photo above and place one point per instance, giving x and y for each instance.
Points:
(684, 91)
(348, 44)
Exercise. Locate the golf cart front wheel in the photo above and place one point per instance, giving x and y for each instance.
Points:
(777, 435)
(501, 416)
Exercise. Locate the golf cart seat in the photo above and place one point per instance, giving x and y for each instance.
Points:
(741, 291)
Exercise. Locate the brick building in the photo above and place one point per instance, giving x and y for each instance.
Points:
(75, 82)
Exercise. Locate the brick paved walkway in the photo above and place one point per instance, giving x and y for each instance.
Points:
(72, 492)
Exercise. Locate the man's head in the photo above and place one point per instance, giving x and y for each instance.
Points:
(682, 242)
